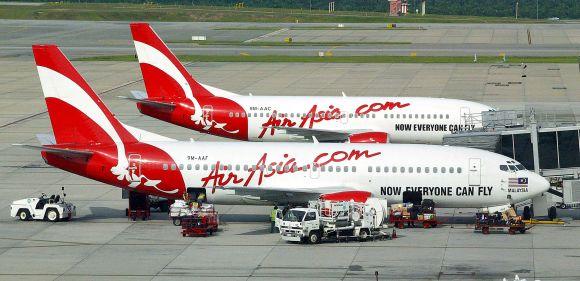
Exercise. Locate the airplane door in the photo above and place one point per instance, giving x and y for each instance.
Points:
(135, 167)
(314, 171)
(207, 112)
(474, 171)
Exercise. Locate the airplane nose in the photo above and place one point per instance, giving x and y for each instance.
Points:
(540, 184)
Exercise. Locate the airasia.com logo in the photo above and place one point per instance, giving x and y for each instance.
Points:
(266, 168)
(314, 116)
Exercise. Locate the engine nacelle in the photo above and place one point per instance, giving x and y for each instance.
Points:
(369, 137)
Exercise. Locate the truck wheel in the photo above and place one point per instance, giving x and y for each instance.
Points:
(523, 230)
(485, 230)
(363, 235)
(177, 222)
(52, 215)
(314, 238)
(563, 206)
(23, 215)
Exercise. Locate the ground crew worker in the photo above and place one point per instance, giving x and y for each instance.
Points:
(273, 219)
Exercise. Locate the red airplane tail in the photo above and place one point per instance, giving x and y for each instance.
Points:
(164, 76)
(77, 114)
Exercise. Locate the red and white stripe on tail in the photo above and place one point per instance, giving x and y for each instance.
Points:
(80, 120)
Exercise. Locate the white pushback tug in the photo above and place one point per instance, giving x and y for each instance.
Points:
(53, 208)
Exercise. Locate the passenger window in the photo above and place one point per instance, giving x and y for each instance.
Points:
(205, 167)
(377, 169)
(410, 116)
(189, 166)
(418, 170)
(231, 114)
(440, 116)
(386, 169)
(503, 167)
(310, 216)
(181, 166)
(246, 167)
(404, 116)
(386, 116)
(402, 169)
(434, 170)
(426, 170)
(346, 168)
(165, 167)
(422, 116)
(370, 169)
(173, 167)
(196, 167)
(261, 114)
(237, 167)
(447, 116)
(459, 170)
(330, 168)
(373, 115)
(416, 116)
(410, 170)
(394, 169)
(237, 114)
(398, 116)
(451, 170)
(428, 116)
(353, 169)
(243, 114)
(338, 168)
(443, 170)
(392, 116)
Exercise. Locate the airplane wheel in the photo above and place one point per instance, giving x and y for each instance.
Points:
(527, 213)
(552, 213)
(23, 215)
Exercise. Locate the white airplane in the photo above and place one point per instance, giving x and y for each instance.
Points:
(91, 142)
(174, 96)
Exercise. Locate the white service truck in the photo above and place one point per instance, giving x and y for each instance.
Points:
(326, 219)
(51, 208)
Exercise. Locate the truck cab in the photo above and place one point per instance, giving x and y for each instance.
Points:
(300, 224)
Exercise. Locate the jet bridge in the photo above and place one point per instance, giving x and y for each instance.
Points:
(545, 142)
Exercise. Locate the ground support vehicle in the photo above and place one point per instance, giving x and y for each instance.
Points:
(499, 221)
(180, 209)
(52, 208)
(202, 222)
(336, 220)
(412, 215)
(139, 206)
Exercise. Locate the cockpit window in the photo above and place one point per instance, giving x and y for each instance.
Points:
(520, 167)
(503, 167)
(512, 168)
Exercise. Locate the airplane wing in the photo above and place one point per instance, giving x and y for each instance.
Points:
(141, 97)
(320, 134)
(284, 195)
(65, 152)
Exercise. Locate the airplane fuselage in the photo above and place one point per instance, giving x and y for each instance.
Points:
(279, 173)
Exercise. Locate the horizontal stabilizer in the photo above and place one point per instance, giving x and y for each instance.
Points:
(46, 139)
(150, 102)
(61, 151)
(140, 95)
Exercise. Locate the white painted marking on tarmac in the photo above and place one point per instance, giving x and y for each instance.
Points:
(266, 35)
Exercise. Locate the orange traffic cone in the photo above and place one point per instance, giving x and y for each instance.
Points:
(394, 235)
